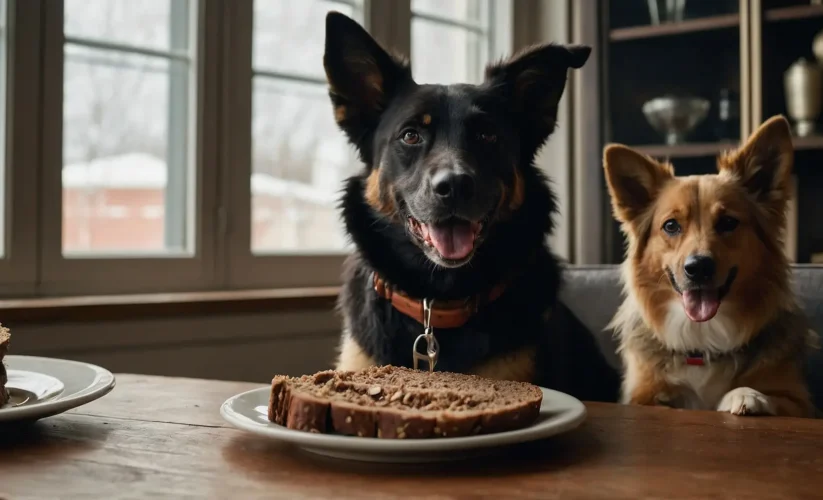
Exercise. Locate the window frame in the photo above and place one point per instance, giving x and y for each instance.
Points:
(220, 153)
(18, 267)
(62, 275)
(244, 268)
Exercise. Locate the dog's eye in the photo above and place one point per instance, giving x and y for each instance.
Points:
(411, 137)
(671, 227)
(487, 138)
(726, 224)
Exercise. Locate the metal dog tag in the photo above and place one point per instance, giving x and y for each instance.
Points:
(432, 347)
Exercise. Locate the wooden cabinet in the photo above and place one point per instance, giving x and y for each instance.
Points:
(739, 48)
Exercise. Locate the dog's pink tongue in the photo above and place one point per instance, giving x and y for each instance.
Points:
(454, 241)
(700, 305)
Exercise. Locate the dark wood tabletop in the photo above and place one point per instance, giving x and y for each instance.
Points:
(164, 438)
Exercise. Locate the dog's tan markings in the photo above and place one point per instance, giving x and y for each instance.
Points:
(375, 81)
(518, 366)
(504, 190)
(511, 197)
(380, 201)
(340, 113)
(517, 192)
(427, 119)
(352, 356)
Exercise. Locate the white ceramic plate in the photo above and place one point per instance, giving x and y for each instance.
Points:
(558, 413)
(42, 387)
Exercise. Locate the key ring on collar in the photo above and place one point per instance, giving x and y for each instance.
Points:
(432, 346)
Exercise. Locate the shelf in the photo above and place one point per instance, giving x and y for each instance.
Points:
(811, 142)
(794, 12)
(688, 150)
(668, 29)
(698, 149)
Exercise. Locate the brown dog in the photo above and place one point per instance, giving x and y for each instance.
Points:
(709, 320)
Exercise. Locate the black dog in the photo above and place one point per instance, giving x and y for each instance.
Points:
(451, 208)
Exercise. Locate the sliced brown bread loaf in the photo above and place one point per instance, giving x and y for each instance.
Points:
(393, 402)
(5, 339)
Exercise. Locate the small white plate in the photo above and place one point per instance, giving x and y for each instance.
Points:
(42, 387)
(558, 413)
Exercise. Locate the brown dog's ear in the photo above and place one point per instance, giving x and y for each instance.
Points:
(764, 164)
(634, 180)
(532, 82)
(362, 78)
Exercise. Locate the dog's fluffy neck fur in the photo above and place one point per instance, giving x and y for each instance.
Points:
(725, 333)
(679, 335)
(386, 247)
(785, 336)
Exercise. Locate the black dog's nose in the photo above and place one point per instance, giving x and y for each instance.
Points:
(699, 268)
(453, 186)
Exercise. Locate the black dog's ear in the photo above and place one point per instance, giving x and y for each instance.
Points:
(362, 77)
(533, 82)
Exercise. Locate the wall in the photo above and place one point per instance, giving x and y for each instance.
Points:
(248, 347)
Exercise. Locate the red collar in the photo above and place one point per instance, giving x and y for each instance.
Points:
(444, 314)
(695, 358)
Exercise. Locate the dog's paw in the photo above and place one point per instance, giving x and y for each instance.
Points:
(746, 401)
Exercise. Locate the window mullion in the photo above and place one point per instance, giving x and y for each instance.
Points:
(445, 21)
(390, 24)
(310, 80)
(177, 53)
(211, 60)
(51, 143)
(22, 147)
(177, 186)
(235, 132)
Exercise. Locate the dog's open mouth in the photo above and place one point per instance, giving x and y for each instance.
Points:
(702, 303)
(454, 239)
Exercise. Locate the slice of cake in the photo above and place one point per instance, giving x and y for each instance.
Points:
(393, 402)
(5, 338)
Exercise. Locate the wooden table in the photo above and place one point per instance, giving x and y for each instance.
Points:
(164, 437)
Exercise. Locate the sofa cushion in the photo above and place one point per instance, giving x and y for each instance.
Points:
(593, 293)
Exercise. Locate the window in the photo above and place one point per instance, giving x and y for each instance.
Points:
(450, 41)
(126, 140)
(172, 145)
(299, 156)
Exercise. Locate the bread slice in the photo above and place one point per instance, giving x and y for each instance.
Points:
(395, 403)
(5, 339)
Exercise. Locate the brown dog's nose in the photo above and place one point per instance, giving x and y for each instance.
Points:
(451, 186)
(699, 268)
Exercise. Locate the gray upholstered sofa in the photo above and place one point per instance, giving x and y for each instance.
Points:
(593, 293)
